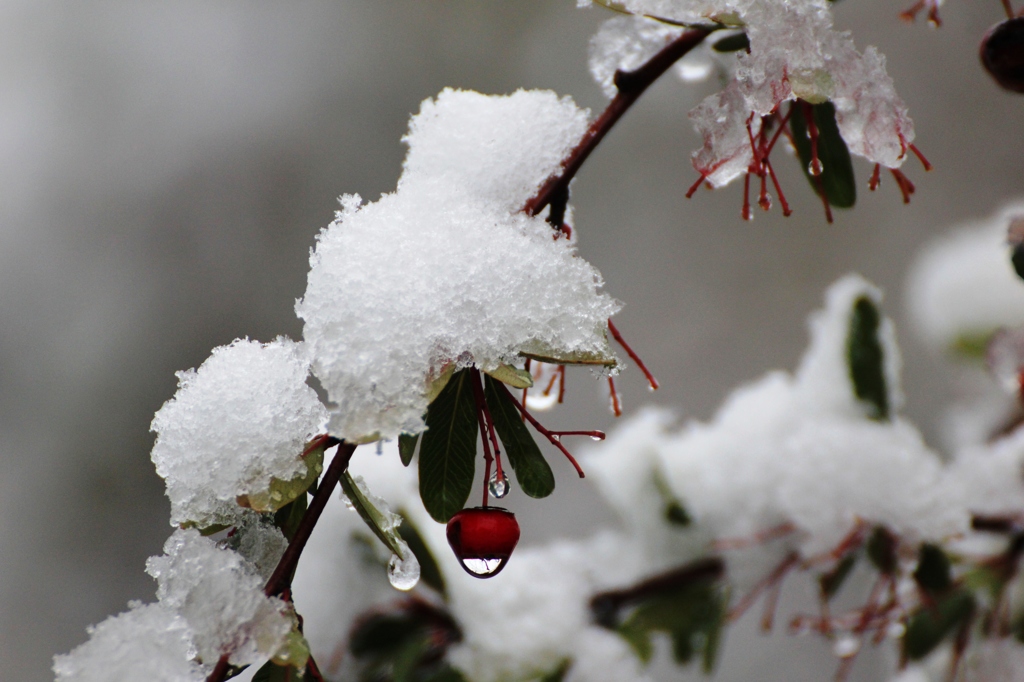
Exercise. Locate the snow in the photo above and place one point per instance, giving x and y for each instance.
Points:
(148, 642)
(445, 272)
(962, 284)
(787, 449)
(240, 420)
(220, 595)
(794, 53)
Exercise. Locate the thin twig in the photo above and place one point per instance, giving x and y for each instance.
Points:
(631, 84)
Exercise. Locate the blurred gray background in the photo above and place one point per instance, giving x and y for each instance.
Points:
(165, 166)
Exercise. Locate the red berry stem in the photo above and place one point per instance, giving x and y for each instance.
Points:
(552, 438)
(481, 405)
(812, 130)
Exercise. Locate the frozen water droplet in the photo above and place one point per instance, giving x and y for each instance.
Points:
(846, 646)
(380, 448)
(275, 495)
(555, 437)
(483, 568)
(498, 485)
(597, 438)
(404, 573)
(815, 167)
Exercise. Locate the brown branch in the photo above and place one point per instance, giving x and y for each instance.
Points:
(631, 84)
(282, 576)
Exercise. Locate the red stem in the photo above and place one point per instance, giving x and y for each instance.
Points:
(478, 399)
(636, 358)
(614, 395)
(552, 438)
(630, 84)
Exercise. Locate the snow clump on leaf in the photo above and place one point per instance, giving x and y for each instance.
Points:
(794, 54)
(446, 272)
(239, 421)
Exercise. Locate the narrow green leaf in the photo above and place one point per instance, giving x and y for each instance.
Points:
(407, 447)
(536, 350)
(381, 635)
(933, 572)
(513, 376)
(692, 616)
(559, 673)
(865, 359)
(881, 550)
(430, 574)
(288, 517)
(1017, 259)
(381, 521)
(733, 43)
(281, 492)
(532, 471)
(928, 626)
(837, 177)
(972, 345)
(675, 513)
(448, 450)
(638, 639)
(830, 582)
(279, 673)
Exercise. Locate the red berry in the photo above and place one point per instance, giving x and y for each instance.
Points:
(483, 539)
(1002, 53)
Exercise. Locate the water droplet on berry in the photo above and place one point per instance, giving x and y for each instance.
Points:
(846, 646)
(482, 539)
(1002, 53)
(404, 572)
(815, 167)
(498, 485)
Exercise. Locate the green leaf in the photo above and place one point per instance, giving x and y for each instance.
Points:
(972, 345)
(933, 569)
(881, 549)
(280, 673)
(833, 580)
(865, 359)
(407, 447)
(558, 674)
(638, 638)
(381, 635)
(448, 450)
(532, 471)
(675, 513)
(536, 350)
(281, 493)
(288, 517)
(430, 574)
(929, 625)
(837, 169)
(733, 43)
(381, 522)
(445, 673)
(1017, 259)
(513, 376)
(692, 615)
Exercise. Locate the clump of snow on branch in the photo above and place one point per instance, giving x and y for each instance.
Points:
(240, 420)
(962, 287)
(793, 450)
(148, 642)
(220, 596)
(446, 272)
(794, 54)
